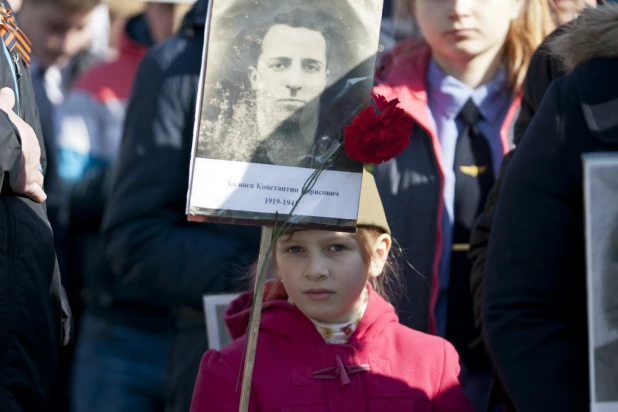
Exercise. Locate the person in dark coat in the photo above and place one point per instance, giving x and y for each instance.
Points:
(163, 262)
(86, 157)
(34, 319)
(544, 68)
(534, 304)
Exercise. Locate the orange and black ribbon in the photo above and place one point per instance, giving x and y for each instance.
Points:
(13, 36)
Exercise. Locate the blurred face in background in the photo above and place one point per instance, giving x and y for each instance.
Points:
(160, 18)
(165, 18)
(460, 30)
(57, 33)
(567, 10)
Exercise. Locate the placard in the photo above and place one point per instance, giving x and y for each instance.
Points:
(601, 209)
(279, 81)
(216, 329)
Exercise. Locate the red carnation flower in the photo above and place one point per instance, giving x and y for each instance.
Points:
(378, 135)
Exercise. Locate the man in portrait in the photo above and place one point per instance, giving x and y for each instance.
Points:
(289, 74)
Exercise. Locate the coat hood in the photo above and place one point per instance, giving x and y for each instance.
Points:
(278, 315)
(594, 34)
(239, 311)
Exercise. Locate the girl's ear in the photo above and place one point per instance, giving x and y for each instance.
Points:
(379, 256)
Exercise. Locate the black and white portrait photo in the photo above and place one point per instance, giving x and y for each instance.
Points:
(280, 80)
(601, 183)
(281, 84)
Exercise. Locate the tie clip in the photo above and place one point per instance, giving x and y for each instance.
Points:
(460, 247)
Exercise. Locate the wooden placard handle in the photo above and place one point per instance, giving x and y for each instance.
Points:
(254, 325)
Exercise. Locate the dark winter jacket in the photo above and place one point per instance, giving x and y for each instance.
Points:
(163, 259)
(31, 314)
(535, 288)
(164, 262)
(543, 69)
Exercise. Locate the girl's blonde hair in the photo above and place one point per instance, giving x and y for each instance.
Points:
(535, 22)
(527, 32)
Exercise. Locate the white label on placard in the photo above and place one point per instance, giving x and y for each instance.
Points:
(261, 188)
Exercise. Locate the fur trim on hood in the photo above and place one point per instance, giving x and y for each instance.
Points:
(594, 34)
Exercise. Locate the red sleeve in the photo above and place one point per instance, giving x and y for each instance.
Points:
(450, 396)
(215, 387)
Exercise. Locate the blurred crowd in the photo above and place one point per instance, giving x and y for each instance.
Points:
(115, 84)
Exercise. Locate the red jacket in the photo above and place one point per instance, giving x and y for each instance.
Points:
(384, 367)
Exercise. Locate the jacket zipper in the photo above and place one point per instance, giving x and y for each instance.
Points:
(11, 255)
(18, 74)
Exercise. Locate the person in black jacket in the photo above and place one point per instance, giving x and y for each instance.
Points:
(534, 305)
(164, 263)
(32, 309)
(543, 69)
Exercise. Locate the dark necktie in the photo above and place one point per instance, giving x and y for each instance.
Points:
(474, 175)
(474, 178)
(13, 36)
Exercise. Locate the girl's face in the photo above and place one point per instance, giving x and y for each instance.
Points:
(460, 30)
(324, 273)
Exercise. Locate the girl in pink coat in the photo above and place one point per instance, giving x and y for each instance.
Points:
(328, 339)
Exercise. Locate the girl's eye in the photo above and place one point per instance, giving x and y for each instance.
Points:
(336, 248)
(294, 249)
